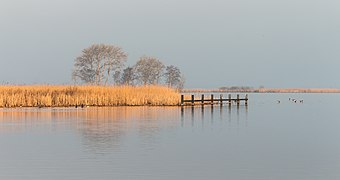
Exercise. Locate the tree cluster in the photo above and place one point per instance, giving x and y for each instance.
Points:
(102, 64)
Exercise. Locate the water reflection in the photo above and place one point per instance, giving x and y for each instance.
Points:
(211, 113)
(103, 130)
(278, 141)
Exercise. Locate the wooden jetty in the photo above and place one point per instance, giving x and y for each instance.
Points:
(212, 100)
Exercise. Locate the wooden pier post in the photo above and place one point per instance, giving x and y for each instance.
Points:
(246, 100)
(212, 99)
(202, 100)
(229, 99)
(221, 99)
(238, 99)
(193, 99)
(182, 100)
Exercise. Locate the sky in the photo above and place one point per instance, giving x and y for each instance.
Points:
(270, 43)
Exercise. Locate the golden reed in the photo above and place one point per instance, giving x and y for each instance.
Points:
(67, 96)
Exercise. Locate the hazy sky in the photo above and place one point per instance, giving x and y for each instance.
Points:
(274, 43)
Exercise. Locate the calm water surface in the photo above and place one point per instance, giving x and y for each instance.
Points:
(266, 140)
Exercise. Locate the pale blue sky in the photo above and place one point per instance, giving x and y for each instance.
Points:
(274, 43)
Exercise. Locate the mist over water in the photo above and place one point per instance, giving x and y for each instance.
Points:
(264, 140)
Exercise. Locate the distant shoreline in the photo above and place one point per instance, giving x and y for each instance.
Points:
(265, 90)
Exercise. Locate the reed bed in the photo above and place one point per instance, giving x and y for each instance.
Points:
(81, 96)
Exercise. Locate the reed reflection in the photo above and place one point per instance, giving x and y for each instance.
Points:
(101, 129)
(26, 119)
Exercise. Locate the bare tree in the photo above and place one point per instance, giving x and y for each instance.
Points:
(128, 76)
(181, 83)
(115, 62)
(149, 70)
(117, 77)
(97, 62)
(172, 76)
(84, 70)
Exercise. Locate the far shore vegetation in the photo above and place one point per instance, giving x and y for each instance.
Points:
(247, 89)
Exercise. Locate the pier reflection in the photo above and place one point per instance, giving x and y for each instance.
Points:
(211, 113)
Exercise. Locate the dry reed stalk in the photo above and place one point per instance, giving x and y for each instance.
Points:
(66, 96)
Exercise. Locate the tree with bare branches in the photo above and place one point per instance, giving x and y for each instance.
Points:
(98, 63)
(149, 70)
(181, 83)
(172, 76)
(128, 76)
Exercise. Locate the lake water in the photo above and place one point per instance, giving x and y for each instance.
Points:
(265, 140)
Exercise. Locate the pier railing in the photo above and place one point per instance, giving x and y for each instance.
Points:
(212, 100)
